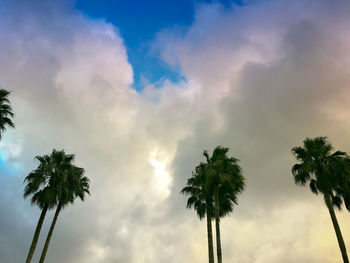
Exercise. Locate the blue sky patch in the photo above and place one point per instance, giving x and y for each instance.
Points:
(138, 22)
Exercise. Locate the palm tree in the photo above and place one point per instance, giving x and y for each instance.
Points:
(42, 195)
(227, 182)
(200, 199)
(6, 113)
(323, 170)
(68, 183)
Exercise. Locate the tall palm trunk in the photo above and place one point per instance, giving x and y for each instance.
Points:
(36, 234)
(210, 236)
(336, 228)
(217, 225)
(48, 238)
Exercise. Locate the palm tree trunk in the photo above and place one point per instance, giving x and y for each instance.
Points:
(210, 236)
(36, 234)
(48, 238)
(217, 226)
(336, 228)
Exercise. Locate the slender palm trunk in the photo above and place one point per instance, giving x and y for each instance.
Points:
(210, 236)
(36, 234)
(336, 228)
(48, 238)
(217, 226)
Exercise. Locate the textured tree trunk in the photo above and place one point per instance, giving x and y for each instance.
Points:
(48, 238)
(36, 234)
(217, 226)
(210, 237)
(337, 229)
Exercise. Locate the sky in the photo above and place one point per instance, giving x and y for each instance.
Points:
(138, 23)
(138, 91)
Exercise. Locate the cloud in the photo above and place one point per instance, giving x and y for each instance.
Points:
(271, 91)
(258, 78)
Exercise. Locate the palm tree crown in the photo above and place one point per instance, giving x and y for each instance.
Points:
(320, 167)
(6, 113)
(200, 189)
(67, 179)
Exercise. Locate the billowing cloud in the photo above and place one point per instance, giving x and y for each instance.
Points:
(258, 79)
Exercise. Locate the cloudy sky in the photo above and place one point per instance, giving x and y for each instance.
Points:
(138, 91)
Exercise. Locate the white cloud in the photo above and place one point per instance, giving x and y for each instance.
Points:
(259, 79)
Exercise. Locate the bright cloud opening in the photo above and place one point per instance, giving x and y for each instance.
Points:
(161, 176)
